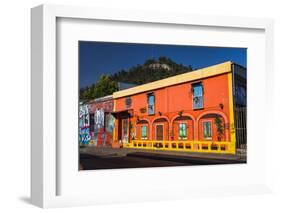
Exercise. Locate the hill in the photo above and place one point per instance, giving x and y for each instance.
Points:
(151, 70)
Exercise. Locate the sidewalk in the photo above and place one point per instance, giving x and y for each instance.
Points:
(195, 160)
(105, 151)
(160, 154)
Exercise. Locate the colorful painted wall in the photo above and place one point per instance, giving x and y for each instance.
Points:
(194, 110)
(85, 135)
(173, 105)
(96, 122)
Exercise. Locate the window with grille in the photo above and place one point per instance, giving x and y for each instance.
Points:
(182, 131)
(144, 132)
(150, 103)
(207, 129)
(197, 96)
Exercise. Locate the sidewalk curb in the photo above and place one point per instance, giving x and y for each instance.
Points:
(184, 159)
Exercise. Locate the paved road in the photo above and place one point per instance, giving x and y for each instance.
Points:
(90, 162)
(141, 160)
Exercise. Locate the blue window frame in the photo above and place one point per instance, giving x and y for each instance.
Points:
(128, 102)
(150, 104)
(197, 96)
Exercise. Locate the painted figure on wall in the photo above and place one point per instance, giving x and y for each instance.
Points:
(101, 121)
(99, 118)
(84, 125)
(103, 128)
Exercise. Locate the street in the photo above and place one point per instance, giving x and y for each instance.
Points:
(90, 162)
(93, 159)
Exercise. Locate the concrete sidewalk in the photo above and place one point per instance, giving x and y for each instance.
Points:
(160, 154)
(105, 151)
(194, 160)
(240, 157)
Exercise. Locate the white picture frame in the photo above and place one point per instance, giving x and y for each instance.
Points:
(44, 149)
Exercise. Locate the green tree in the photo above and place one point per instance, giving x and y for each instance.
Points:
(86, 93)
(218, 122)
(104, 86)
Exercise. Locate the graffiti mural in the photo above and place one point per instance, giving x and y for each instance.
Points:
(99, 118)
(109, 123)
(102, 127)
(84, 125)
(85, 136)
(96, 123)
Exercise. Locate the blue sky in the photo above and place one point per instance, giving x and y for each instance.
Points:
(96, 58)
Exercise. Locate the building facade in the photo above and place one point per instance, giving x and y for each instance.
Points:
(188, 112)
(96, 123)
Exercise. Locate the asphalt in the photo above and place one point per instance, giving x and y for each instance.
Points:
(108, 158)
(90, 162)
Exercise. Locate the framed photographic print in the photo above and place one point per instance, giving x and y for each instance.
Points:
(150, 106)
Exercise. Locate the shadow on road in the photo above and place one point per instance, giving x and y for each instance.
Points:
(144, 160)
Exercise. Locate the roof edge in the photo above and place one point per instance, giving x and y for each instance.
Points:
(177, 79)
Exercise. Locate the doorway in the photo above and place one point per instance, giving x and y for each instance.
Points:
(159, 132)
(125, 130)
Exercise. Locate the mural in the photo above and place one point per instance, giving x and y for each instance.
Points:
(103, 128)
(95, 128)
(96, 123)
(99, 118)
(84, 136)
(84, 125)
(109, 123)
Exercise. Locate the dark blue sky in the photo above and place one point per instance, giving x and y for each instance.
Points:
(96, 58)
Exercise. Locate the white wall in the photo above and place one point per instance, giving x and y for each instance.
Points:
(15, 98)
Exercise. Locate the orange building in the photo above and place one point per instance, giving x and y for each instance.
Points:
(188, 112)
